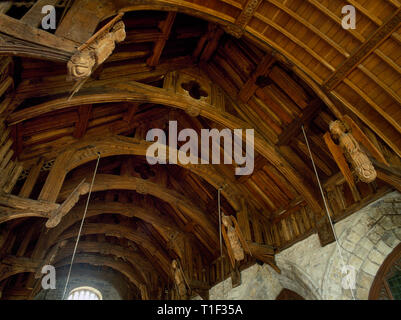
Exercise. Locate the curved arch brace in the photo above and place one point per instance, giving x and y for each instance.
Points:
(109, 182)
(86, 150)
(96, 260)
(137, 236)
(138, 92)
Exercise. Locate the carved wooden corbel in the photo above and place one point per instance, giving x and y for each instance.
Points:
(193, 111)
(92, 54)
(141, 187)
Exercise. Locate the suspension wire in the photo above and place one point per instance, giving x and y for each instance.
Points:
(339, 248)
(80, 227)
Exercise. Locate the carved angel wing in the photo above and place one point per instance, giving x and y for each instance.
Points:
(240, 235)
(339, 158)
(228, 246)
(360, 136)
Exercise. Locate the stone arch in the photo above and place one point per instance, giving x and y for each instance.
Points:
(367, 238)
(296, 279)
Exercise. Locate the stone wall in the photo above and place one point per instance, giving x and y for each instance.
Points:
(367, 237)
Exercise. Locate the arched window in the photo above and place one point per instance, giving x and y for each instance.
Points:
(85, 293)
(387, 283)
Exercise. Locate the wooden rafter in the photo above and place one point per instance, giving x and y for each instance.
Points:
(165, 27)
(81, 20)
(84, 113)
(294, 127)
(208, 43)
(250, 87)
(30, 181)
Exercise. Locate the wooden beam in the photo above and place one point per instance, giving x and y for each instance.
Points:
(84, 113)
(374, 41)
(165, 27)
(30, 181)
(263, 252)
(34, 15)
(12, 265)
(82, 18)
(260, 162)
(5, 6)
(27, 204)
(129, 116)
(295, 126)
(19, 38)
(208, 43)
(12, 179)
(250, 87)
(137, 71)
(389, 175)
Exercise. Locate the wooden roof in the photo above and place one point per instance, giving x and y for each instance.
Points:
(269, 65)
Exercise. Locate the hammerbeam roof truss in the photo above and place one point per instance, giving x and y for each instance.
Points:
(264, 64)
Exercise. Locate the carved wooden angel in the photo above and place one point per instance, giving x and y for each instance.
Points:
(83, 62)
(233, 239)
(349, 140)
(182, 286)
